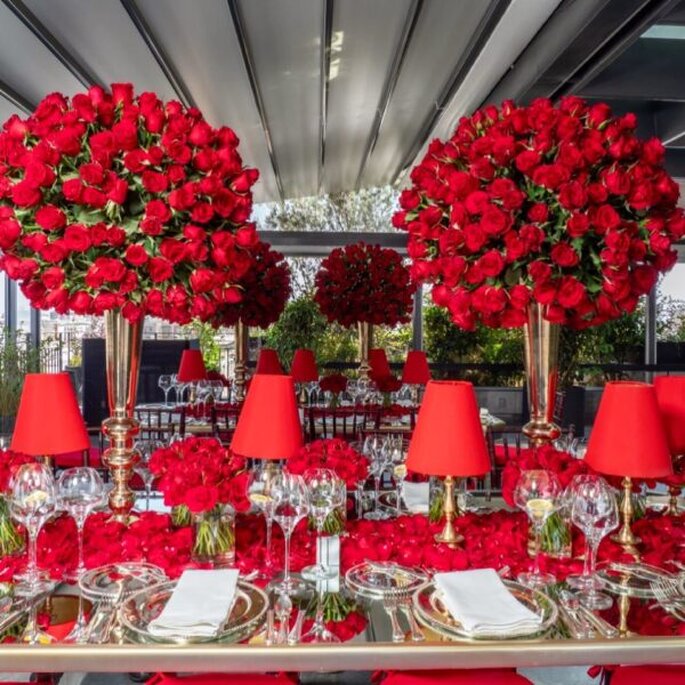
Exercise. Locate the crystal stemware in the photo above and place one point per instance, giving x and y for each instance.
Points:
(164, 383)
(259, 492)
(291, 505)
(379, 459)
(32, 502)
(145, 449)
(325, 495)
(537, 493)
(595, 512)
(79, 491)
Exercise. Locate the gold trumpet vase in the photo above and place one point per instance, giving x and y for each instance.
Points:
(241, 352)
(365, 345)
(123, 341)
(541, 345)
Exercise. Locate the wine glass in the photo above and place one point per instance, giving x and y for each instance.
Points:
(595, 512)
(537, 492)
(79, 491)
(32, 502)
(379, 460)
(175, 385)
(325, 495)
(399, 471)
(291, 505)
(259, 492)
(145, 449)
(164, 383)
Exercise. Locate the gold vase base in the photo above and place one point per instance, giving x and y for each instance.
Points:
(672, 508)
(628, 541)
(541, 432)
(452, 539)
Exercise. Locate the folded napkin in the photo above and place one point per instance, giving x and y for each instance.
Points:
(199, 604)
(483, 605)
(415, 496)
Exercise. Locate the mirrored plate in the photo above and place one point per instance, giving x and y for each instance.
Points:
(103, 584)
(634, 580)
(375, 580)
(432, 613)
(246, 616)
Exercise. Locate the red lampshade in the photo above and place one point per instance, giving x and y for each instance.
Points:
(378, 361)
(416, 369)
(448, 438)
(304, 369)
(267, 362)
(628, 437)
(192, 367)
(670, 395)
(269, 423)
(49, 420)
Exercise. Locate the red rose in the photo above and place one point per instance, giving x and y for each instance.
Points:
(76, 238)
(182, 198)
(72, 190)
(10, 230)
(605, 218)
(104, 301)
(136, 255)
(92, 173)
(539, 271)
(527, 160)
(174, 250)
(154, 181)
(54, 252)
(50, 218)
(25, 195)
(157, 209)
(489, 300)
(570, 293)
(52, 277)
(491, 263)
(160, 269)
(572, 195)
(81, 302)
(577, 225)
(564, 255)
(202, 213)
(494, 221)
(538, 213)
(202, 280)
(109, 269)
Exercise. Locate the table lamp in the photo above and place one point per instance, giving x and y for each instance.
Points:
(448, 441)
(49, 421)
(628, 439)
(670, 395)
(268, 363)
(192, 367)
(416, 372)
(269, 423)
(304, 370)
(378, 363)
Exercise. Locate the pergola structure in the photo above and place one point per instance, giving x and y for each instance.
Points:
(336, 95)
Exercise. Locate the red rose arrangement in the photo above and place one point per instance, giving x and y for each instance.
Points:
(265, 289)
(562, 205)
(116, 201)
(364, 283)
(386, 384)
(200, 473)
(335, 454)
(10, 539)
(334, 383)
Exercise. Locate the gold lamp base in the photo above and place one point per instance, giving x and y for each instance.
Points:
(449, 536)
(625, 536)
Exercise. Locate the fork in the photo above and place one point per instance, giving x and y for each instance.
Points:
(667, 595)
(404, 603)
(390, 605)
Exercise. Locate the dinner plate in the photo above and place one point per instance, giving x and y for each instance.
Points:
(634, 580)
(432, 613)
(245, 618)
(104, 583)
(376, 580)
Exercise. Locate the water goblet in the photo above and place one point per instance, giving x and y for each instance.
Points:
(325, 495)
(79, 491)
(164, 383)
(595, 512)
(259, 492)
(291, 505)
(145, 449)
(379, 460)
(537, 492)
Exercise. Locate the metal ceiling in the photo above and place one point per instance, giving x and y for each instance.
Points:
(331, 95)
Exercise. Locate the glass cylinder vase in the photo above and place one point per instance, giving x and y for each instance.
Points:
(214, 536)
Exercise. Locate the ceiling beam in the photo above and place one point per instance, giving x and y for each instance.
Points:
(391, 79)
(79, 70)
(490, 19)
(159, 53)
(17, 99)
(326, 37)
(320, 243)
(248, 62)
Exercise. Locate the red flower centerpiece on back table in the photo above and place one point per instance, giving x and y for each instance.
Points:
(364, 285)
(537, 215)
(124, 205)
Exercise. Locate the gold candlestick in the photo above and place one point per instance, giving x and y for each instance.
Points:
(241, 354)
(449, 535)
(365, 345)
(625, 536)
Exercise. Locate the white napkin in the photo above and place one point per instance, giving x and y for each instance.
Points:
(199, 604)
(483, 605)
(416, 496)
